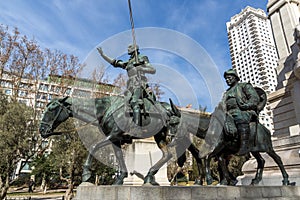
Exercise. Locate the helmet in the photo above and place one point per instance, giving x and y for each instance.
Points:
(131, 48)
(231, 72)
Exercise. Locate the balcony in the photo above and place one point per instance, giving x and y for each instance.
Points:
(262, 67)
(255, 40)
(259, 55)
(265, 87)
(261, 73)
(264, 77)
(258, 50)
(252, 20)
(264, 82)
(252, 27)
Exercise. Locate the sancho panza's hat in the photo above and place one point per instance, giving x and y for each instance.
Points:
(231, 72)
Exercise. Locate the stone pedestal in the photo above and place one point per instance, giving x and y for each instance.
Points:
(139, 157)
(187, 193)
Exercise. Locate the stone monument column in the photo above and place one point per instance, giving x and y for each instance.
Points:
(285, 101)
(140, 156)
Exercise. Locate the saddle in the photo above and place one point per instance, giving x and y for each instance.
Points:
(121, 105)
(149, 107)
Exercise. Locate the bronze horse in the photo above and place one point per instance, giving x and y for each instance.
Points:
(114, 120)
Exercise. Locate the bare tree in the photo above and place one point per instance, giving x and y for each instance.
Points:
(121, 81)
(7, 44)
(158, 92)
(23, 64)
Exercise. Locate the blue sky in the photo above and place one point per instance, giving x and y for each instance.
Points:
(78, 26)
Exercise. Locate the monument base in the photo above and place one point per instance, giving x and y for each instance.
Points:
(186, 193)
(288, 149)
(140, 156)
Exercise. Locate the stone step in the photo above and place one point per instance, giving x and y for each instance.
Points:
(187, 192)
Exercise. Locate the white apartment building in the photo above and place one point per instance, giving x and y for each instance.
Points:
(37, 93)
(253, 52)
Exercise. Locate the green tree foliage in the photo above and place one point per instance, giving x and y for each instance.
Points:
(43, 169)
(102, 174)
(236, 163)
(64, 164)
(18, 139)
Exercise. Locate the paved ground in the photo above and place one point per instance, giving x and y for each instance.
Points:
(36, 195)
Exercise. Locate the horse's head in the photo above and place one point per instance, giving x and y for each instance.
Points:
(56, 112)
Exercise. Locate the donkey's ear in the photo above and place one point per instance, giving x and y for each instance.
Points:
(63, 99)
(175, 109)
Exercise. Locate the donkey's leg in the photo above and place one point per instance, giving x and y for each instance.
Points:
(260, 168)
(209, 178)
(150, 179)
(217, 150)
(123, 169)
(201, 168)
(224, 174)
(278, 161)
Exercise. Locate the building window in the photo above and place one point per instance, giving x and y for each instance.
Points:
(8, 92)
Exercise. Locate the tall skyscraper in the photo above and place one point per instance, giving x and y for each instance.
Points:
(253, 52)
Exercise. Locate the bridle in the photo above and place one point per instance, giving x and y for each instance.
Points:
(63, 111)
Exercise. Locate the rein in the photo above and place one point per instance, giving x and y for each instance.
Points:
(75, 129)
(61, 109)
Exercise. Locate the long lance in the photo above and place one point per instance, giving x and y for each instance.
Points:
(133, 32)
(135, 49)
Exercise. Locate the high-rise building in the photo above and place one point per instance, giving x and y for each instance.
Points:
(253, 52)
